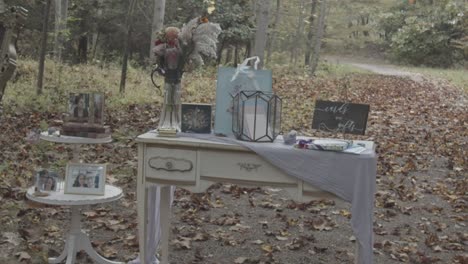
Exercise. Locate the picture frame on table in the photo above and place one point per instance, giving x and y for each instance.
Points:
(47, 180)
(196, 118)
(97, 108)
(86, 108)
(78, 107)
(85, 179)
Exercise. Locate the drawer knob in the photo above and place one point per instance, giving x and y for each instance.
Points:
(170, 164)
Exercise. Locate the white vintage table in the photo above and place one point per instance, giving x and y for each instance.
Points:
(195, 164)
(77, 239)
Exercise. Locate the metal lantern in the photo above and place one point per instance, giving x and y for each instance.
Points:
(256, 116)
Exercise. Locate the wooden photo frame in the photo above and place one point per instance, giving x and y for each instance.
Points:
(82, 178)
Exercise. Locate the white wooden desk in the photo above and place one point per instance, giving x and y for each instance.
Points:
(77, 239)
(194, 165)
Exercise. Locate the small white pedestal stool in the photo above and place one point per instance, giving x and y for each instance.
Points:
(77, 239)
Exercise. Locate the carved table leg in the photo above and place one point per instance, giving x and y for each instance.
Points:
(165, 224)
(78, 240)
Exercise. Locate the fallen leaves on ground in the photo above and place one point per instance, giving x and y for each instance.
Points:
(420, 130)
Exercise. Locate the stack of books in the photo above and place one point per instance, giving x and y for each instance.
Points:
(167, 132)
(88, 130)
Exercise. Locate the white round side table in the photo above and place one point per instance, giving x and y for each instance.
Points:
(76, 141)
(77, 239)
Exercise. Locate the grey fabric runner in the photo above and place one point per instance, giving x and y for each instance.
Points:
(349, 176)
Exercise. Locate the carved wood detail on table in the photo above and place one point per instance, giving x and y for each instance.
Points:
(170, 164)
(248, 166)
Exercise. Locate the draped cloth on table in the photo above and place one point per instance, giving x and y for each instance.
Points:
(349, 176)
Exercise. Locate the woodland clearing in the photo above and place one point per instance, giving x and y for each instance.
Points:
(420, 128)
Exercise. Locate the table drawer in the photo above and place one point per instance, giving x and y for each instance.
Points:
(170, 164)
(240, 167)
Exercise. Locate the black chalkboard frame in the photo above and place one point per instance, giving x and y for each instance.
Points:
(340, 117)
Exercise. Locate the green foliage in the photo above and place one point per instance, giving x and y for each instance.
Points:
(179, 12)
(423, 34)
(351, 27)
(234, 17)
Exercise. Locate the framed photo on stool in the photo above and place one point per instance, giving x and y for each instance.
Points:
(82, 178)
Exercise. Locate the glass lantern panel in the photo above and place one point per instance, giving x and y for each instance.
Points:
(235, 114)
(278, 104)
(271, 117)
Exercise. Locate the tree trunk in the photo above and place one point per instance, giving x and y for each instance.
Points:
(228, 55)
(83, 49)
(318, 36)
(248, 50)
(271, 42)
(263, 10)
(61, 16)
(236, 54)
(220, 52)
(123, 77)
(299, 31)
(45, 28)
(158, 22)
(95, 36)
(310, 34)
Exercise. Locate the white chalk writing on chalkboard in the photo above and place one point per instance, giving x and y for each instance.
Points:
(342, 109)
(348, 126)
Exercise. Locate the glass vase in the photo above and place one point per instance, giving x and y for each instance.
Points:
(170, 117)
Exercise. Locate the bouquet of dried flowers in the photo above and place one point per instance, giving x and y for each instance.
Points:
(178, 50)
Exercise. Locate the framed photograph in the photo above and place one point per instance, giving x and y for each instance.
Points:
(86, 108)
(97, 109)
(82, 178)
(78, 107)
(196, 118)
(47, 181)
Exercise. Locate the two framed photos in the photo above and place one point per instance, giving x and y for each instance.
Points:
(82, 178)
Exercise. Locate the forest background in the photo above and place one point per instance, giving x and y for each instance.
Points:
(418, 121)
(423, 32)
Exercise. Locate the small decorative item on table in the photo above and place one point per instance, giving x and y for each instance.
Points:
(256, 116)
(324, 144)
(176, 51)
(290, 138)
(196, 118)
(85, 179)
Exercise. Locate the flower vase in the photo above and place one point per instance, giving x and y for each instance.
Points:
(169, 121)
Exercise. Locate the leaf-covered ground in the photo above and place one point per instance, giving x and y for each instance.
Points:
(421, 203)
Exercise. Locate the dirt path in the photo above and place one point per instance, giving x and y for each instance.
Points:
(376, 67)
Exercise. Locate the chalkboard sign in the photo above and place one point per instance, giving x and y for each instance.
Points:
(339, 117)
